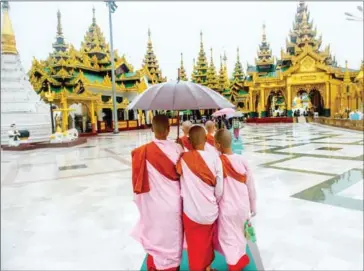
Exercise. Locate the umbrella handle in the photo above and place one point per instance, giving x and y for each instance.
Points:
(177, 124)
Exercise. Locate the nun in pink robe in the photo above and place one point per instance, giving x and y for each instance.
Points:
(158, 198)
(237, 203)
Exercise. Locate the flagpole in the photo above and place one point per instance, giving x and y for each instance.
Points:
(112, 7)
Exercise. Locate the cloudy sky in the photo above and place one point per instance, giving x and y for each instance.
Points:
(176, 26)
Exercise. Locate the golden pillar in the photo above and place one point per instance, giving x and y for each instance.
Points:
(289, 101)
(262, 103)
(64, 106)
(251, 108)
(93, 118)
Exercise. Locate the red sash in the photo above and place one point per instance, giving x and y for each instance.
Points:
(185, 142)
(156, 157)
(210, 139)
(230, 171)
(197, 165)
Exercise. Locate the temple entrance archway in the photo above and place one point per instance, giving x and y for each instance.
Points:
(276, 104)
(307, 101)
(317, 101)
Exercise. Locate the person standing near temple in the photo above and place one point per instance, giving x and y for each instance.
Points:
(157, 193)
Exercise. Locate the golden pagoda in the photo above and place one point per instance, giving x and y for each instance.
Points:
(212, 79)
(8, 43)
(182, 72)
(224, 82)
(83, 77)
(239, 94)
(303, 69)
(150, 64)
(200, 76)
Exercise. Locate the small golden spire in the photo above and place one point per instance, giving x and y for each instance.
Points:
(181, 59)
(8, 44)
(237, 57)
(59, 24)
(264, 36)
(93, 15)
(149, 35)
(211, 58)
(194, 61)
(201, 36)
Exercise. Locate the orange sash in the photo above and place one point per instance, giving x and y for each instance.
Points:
(156, 157)
(230, 171)
(185, 142)
(198, 166)
(210, 139)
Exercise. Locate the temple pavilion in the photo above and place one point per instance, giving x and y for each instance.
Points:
(78, 82)
(305, 76)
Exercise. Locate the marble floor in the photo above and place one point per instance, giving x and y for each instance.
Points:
(72, 209)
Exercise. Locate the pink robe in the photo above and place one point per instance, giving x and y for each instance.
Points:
(237, 202)
(202, 187)
(160, 237)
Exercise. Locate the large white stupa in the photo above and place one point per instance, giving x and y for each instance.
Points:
(20, 104)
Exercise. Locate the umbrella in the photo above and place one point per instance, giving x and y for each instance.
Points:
(234, 115)
(179, 95)
(224, 111)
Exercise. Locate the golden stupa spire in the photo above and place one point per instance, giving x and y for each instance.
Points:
(211, 57)
(8, 44)
(346, 73)
(93, 16)
(182, 71)
(237, 56)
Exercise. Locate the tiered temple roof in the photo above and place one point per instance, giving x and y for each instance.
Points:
(200, 76)
(150, 64)
(237, 82)
(264, 61)
(182, 72)
(238, 74)
(69, 69)
(212, 79)
(302, 34)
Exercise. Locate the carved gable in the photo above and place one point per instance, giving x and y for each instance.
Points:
(307, 64)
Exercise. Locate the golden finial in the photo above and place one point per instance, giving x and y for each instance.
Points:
(237, 57)
(59, 24)
(194, 61)
(201, 36)
(181, 59)
(264, 36)
(225, 58)
(8, 44)
(93, 15)
(211, 53)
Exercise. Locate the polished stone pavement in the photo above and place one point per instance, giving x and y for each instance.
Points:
(72, 208)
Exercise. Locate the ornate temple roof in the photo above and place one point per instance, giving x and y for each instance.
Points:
(212, 79)
(150, 63)
(201, 65)
(238, 74)
(74, 71)
(182, 71)
(264, 60)
(8, 43)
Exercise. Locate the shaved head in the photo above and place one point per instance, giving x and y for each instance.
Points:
(210, 126)
(197, 136)
(224, 138)
(160, 125)
(186, 126)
